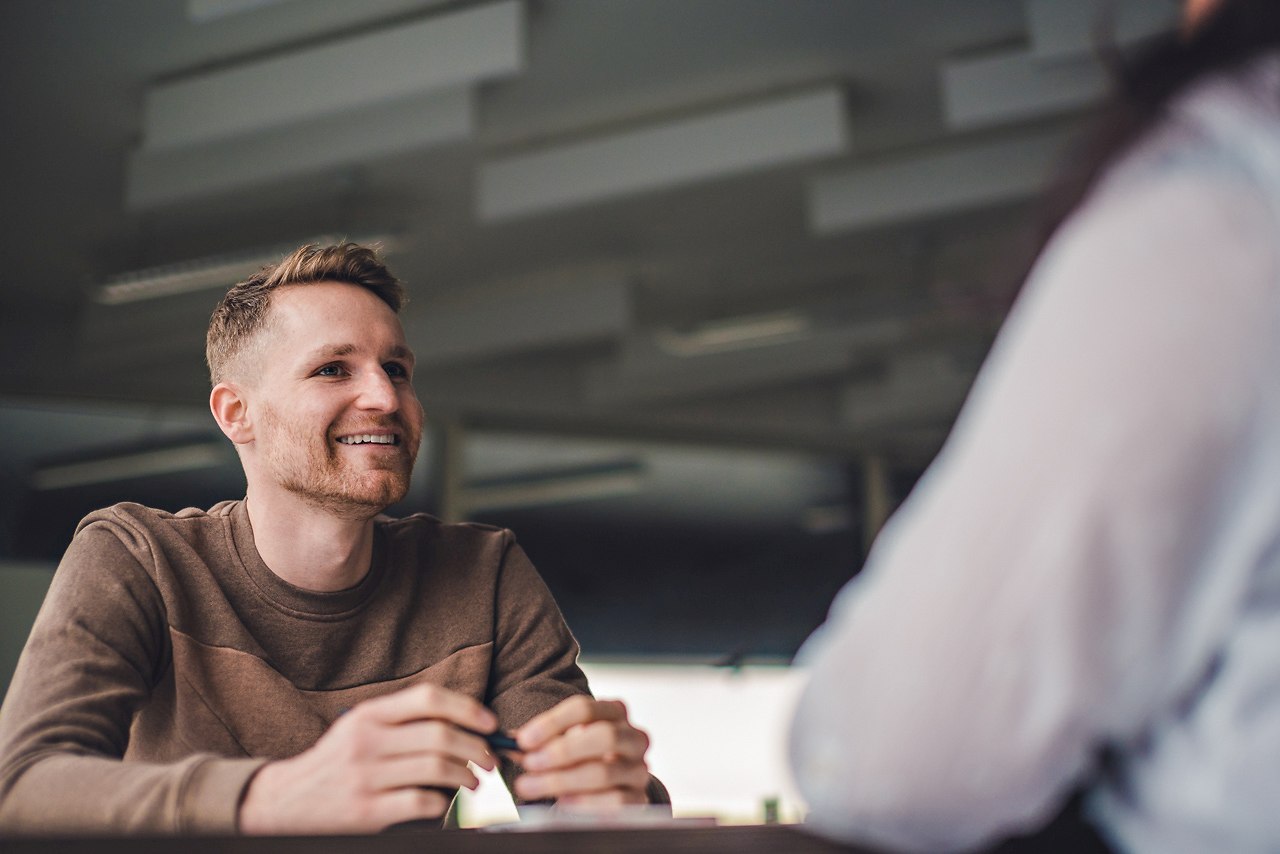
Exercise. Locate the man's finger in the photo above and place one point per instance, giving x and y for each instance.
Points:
(428, 770)
(596, 740)
(579, 709)
(425, 701)
(584, 778)
(425, 737)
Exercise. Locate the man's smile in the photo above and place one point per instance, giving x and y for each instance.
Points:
(370, 439)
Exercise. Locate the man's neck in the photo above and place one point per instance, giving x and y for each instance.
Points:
(308, 546)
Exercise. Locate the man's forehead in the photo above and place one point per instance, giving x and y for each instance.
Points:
(299, 325)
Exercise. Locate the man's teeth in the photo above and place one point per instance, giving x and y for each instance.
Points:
(368, 438)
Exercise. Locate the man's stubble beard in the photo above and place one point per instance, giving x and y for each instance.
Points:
(312, 469)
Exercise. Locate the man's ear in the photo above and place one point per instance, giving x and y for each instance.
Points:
(231, 410)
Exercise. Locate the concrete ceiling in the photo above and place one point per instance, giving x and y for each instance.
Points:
(831, 296)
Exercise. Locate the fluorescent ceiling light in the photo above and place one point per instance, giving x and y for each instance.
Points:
(161, 461)
(960, 178)
(734, 333)
(739, 353)
(768, 133)
(159, 177)
(1017, 85)
(214, 271)
(441, 52)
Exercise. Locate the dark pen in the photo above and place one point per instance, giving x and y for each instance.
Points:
(498, 740)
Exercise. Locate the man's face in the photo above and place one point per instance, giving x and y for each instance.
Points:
(336, 419)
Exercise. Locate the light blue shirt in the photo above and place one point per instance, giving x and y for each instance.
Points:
(1093, 560)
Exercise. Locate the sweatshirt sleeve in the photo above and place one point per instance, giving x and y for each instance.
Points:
(1072, 560)
(535, 655)
(98, 645)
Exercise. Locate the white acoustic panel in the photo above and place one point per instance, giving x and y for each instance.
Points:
(1015, 86)
(757, 351)
(155, 178)
(507, 320)
(960, 178)
(768, 133)
(1059, 29)
(443, 52)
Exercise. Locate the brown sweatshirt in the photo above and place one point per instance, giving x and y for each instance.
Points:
(167, 643)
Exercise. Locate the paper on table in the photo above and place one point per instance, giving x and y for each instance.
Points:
(542, 817)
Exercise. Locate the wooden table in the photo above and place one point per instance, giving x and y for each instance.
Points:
(761, 839)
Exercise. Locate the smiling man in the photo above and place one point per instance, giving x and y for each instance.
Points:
(294, 662)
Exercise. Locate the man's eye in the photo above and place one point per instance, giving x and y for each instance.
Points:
(329, 371)
(395, 370)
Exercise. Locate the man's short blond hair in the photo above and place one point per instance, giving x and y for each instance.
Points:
(243, 310)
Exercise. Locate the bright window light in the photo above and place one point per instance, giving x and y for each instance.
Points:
(718, 740)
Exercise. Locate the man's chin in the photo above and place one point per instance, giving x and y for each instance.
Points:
(379, 499)
(363, 501)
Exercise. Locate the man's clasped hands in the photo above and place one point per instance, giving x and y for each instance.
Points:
(398, 758)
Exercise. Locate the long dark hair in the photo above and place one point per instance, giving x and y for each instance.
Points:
(1147, 81)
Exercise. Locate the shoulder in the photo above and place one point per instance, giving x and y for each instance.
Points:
(142, 528)
(1186, 249)
(1203, 182)
(1225, 128)
(138, 516)
(1233, 102)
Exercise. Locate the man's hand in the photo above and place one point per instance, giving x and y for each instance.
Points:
(376, 766)
(585, 754)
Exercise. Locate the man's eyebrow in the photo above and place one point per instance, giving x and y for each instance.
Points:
(402, 352)
(337, 351)
(332, 351)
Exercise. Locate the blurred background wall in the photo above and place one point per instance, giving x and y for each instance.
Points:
(698, 286)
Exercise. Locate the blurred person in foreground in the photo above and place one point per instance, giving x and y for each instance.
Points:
(295, 662)
(1083, 592)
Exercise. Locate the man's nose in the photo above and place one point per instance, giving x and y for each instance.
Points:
(377, 392)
